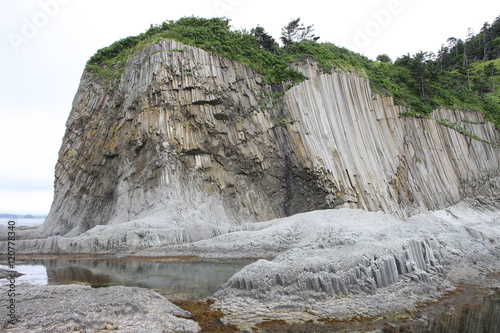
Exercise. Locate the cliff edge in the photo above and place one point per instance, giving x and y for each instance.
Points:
(187, 145)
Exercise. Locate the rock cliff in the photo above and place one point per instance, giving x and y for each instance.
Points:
(193, 145)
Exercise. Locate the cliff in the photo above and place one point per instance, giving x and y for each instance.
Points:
(187, 153)
(356, 141)
(196, 145)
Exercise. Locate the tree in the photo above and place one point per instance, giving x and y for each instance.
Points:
(486, 40)
(491, 70)
(443, 56)
(467, 64)
(480, 82)
(495, 38)
(464, 70)
(452, 44)
(422, 69)
(384, 58)
(265, 40)
(296, 32)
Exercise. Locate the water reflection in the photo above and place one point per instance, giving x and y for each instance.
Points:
(476, 314)
(33, 274)
(181, 280)
(471, 309)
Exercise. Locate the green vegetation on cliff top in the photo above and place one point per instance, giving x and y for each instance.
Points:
(464, 75)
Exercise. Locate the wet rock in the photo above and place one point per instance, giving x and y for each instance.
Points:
(392, 265)
(6, 273)
(82, 308)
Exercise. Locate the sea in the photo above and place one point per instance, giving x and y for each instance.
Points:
(23, 222)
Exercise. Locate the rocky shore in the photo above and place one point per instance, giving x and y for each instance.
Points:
(77, 308)
(322, 265)
(343, 264)
(353, 210)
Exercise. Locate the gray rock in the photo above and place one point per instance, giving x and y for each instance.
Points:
(6, 273)
(387, 266)
(189, 145)
(82, 308)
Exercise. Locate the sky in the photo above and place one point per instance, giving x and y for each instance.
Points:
(45, 44)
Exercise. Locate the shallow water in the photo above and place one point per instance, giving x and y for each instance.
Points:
(23, 222)
(189, 280)
(469, 309)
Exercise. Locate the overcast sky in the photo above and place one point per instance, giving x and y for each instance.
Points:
(45, 44)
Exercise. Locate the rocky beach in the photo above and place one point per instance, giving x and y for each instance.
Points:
(351, 211)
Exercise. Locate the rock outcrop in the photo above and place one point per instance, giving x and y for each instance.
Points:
(186, 137)
(189, 153)
(187, 145)
(84, 309)
(357, 264)
(368, 157)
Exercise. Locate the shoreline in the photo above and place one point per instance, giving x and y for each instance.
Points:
(445, 314)
(328, 265)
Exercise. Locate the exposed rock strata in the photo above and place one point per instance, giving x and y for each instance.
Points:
(358, 264)
(190, 152)
(346, 263)
(182, 137)
(188, 145)
(368, 157)
(82, 308)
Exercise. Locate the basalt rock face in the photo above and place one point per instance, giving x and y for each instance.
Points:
(368, 157)
(186, 136)
(198, 144)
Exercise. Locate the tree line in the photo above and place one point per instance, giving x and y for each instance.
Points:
(483, 46)
(422, 82)
(462, 74)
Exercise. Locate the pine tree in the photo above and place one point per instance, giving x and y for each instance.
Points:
(486, 41)
(265, 40)
(491, 70)
(384, 58)
(296, 32)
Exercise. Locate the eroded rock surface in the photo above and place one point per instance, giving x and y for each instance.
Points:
(346, 263)
(82, 308)
(367, 156)
(188, 145)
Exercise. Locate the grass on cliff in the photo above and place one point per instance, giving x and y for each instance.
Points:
(215, 35)
(414, 81)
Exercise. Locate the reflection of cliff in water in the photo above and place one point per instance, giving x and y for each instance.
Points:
(470, 310)
(471, 318)
(191, 280)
